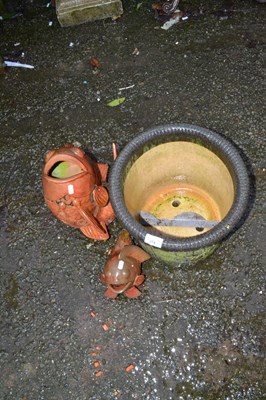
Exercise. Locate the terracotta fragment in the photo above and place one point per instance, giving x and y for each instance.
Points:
(105, 327)
(130, 368)
(96, 364)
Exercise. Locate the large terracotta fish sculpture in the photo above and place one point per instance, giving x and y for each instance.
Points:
(122, 272)
(74, 187)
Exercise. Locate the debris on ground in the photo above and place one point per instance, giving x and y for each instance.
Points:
(176, 16)
(17, 64)
(135, 52)
(168, 14)
(116, 102)
(96, 364)
(130, 368)
(166, 11)
(126, 87)
(105, 327)
(11, 16)
(94, 62)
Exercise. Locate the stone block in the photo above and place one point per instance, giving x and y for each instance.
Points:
(75, 12)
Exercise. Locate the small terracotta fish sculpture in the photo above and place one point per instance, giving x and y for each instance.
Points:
(74, 190)
(122, 272)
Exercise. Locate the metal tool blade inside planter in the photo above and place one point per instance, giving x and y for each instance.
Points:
(186, 219)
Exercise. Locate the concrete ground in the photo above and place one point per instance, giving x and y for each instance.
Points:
(196, 332)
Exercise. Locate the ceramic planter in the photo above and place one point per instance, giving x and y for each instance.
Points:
(74, 190)
(180, 170)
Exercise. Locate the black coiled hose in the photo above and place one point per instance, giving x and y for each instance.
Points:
(215, 142)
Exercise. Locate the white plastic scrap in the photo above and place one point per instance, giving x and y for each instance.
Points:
(17, 64)
(172, 21)
(136, 52)
(126, 87)
(76, 144)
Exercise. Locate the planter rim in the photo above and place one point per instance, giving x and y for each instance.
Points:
(228, 153)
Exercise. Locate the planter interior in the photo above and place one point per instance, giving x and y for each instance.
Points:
(173, 170)
(177, 177)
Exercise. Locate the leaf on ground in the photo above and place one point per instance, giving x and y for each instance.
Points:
(116, 102)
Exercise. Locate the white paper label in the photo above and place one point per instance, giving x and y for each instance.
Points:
(121, 264)
(70, 189)
(154, 241)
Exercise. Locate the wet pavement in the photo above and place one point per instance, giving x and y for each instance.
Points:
(196, 332)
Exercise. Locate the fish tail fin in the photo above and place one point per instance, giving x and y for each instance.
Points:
(110, 294)
(132, 293)
(139, 280)
(93, 232)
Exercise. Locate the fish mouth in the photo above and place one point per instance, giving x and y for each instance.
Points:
(117, 288)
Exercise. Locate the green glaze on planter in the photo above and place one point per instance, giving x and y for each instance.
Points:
(179, 257)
